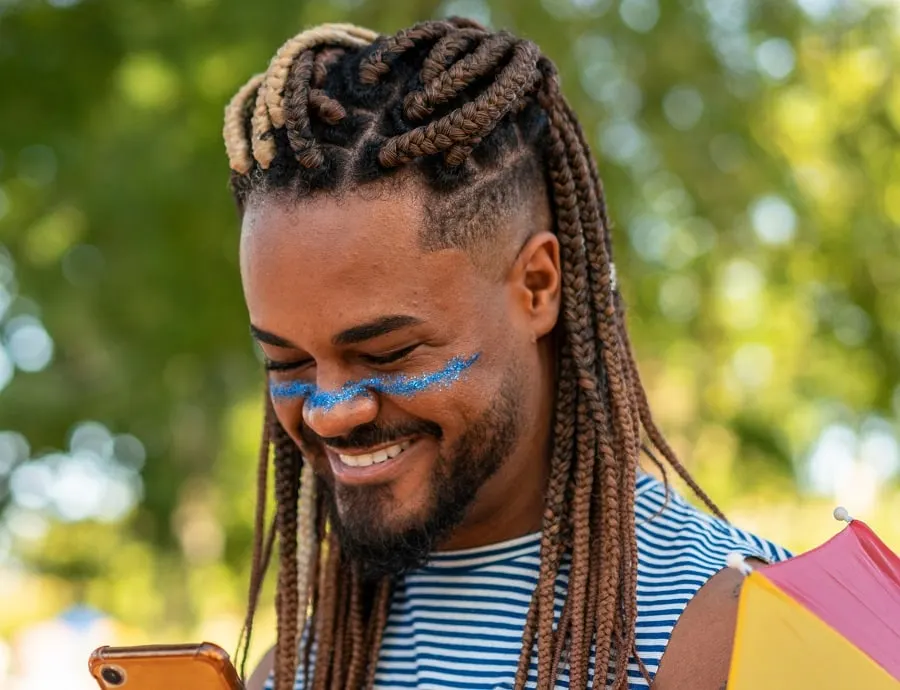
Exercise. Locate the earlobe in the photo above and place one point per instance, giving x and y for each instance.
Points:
(540, 280)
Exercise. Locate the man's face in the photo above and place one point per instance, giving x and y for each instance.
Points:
(405, 375)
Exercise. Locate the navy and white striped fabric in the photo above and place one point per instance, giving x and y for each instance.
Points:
(457, 622)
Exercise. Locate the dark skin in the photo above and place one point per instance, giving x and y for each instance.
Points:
(316, 271)
(359, 272)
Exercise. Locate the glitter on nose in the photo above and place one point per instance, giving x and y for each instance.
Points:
(399, 385)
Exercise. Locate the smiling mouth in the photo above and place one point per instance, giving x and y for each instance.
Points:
(375, 457)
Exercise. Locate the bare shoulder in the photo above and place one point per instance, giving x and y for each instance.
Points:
(257, 679)
(699, 652)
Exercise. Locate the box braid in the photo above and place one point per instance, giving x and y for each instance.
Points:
(461, 106)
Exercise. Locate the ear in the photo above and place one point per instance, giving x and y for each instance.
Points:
(536, 282)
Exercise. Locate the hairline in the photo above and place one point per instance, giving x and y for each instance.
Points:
(410, 184)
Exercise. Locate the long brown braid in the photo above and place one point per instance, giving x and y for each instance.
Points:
(463, 106)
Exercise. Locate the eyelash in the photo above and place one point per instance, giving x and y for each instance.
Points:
(285, 366)
(389, 358)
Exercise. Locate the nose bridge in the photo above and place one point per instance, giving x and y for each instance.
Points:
(331, 377)
(338, 405)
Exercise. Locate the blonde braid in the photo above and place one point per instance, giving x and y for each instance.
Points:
(261, 135)
(306, 539)
(346, 35)
(269, 109)
(237, 145)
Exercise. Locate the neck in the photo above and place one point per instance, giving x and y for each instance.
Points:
(515, 514)
(511, 503)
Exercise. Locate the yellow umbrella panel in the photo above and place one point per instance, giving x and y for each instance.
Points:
(828, 619)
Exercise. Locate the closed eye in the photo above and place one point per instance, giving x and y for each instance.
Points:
(272, 365)
(390, 357)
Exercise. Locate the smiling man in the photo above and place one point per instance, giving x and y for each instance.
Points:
(455, 409)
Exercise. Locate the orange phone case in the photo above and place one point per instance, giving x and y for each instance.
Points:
(165, 667)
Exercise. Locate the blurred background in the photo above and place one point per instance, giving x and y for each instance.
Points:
(750, 154)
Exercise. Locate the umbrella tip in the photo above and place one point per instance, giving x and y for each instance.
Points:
(841, 515)
(738, 562)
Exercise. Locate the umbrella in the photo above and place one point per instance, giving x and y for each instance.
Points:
(827, 619)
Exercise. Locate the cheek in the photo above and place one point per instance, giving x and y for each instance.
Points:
(455, 405)
(290, 416)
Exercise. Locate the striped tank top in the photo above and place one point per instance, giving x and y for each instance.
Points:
(457, 622)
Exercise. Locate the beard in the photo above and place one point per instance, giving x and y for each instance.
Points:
(459, 473)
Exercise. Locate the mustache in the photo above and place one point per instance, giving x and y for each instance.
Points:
(368, 435)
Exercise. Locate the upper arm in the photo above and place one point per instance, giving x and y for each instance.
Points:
(698, 655)
(258, 678)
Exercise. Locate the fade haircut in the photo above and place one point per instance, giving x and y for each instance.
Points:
(478, 117)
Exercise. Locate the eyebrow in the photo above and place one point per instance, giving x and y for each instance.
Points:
(380, 326)
(270, 338)
(356, 334)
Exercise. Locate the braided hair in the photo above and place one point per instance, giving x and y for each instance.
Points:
(472, 113)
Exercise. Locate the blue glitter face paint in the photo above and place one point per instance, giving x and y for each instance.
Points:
(400, 385)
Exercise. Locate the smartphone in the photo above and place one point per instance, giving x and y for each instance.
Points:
(202, 666)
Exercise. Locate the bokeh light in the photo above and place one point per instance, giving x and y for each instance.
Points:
(96, 478)
(775, 57)
(28, 344)
(774, 219)
(639, 15)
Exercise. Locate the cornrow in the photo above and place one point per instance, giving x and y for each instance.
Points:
(461, 105)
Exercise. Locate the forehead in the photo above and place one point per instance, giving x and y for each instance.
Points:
(340, 262)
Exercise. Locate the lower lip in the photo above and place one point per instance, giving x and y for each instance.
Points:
(377, 473)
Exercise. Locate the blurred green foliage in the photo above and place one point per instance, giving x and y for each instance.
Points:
(750, 155)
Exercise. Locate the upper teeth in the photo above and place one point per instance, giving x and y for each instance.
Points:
(378, 456)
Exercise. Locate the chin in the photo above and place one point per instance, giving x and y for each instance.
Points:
(385, 537)
(376, 512)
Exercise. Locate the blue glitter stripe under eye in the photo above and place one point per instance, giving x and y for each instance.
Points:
(388, 385)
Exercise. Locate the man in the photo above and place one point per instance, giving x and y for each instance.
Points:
(455, 409)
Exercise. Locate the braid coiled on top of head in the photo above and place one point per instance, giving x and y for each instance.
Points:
(378, 63)
(448, 83)
(464, 107)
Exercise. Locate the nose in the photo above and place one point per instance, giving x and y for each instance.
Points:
(340, 418)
